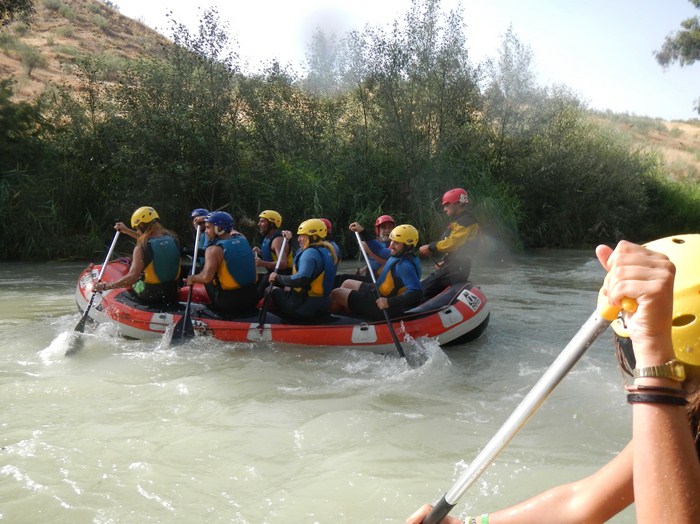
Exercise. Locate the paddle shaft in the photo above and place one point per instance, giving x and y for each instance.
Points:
(571, 354)
(186, 316)
(263, 309)
(376, 289)
(81, 323)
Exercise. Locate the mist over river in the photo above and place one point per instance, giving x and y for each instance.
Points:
(131, 432)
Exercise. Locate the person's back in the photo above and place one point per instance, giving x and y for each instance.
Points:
(229, 274)
(155, 266)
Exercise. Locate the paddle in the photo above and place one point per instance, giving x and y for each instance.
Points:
(263, 309)
(376, 290)
(184, 328)
(80, 327)
(574, 350)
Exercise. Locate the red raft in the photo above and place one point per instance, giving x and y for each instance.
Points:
(459, 314)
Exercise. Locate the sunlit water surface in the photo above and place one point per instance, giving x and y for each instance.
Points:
(128, 431)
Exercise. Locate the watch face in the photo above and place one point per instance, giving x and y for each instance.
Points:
(677, 370)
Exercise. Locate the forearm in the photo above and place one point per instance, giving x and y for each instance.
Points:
(126, 281)
(666, 465)
(406, 299)
(666, 469)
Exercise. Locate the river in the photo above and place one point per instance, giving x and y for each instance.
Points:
(131, 432)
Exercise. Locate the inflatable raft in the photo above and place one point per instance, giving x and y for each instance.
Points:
(459, 314)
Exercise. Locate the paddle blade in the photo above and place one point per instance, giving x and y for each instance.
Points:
(183, 330)
(80, 328)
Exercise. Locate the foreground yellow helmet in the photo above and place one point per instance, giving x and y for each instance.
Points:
(313, 227)
(406, 234)
(272, 216)
(684, 252)
(143, 215)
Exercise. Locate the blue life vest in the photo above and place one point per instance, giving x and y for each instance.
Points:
(238, 267)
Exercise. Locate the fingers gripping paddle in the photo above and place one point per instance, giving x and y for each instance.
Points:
(80, 327)
(376, 290)
(184, 328)
(263, 309)
(574, 350)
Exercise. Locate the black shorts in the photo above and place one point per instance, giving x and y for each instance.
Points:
(363, 303)
(232, 301)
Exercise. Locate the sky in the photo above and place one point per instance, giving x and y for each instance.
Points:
(601, 49)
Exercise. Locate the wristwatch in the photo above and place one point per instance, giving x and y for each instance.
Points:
(672, 369)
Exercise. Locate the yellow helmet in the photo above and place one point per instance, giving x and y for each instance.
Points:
(313, 227)
(406, 234)
(272, 216)
(684, 252)
(143, 215)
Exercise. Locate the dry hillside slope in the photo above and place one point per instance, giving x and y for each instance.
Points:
(44, 51)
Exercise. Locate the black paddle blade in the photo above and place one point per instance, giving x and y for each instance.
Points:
(80, 328)
(183, 330)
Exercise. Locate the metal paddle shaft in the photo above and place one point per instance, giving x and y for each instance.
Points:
(81, 324)
(589, 332)
(184, 329)
(263, 309)
(376, 289)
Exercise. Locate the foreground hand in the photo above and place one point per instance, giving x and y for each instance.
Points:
(424, 250)
(273, 277)
(100, 286)
(355, 226)
(424, 511)
(646, 277)
(190, 280)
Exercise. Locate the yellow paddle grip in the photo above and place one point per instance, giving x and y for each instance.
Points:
(609, 312)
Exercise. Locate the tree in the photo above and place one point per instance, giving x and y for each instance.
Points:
(682, 46)
(11, 9)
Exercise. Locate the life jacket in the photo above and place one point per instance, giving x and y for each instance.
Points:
(323, 276)
(161, 257)
(374, 247)
(461, 238)
(237, 269)
(268, 255)
(389, 282)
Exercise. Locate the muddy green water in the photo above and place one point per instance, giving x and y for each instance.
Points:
(130, 432)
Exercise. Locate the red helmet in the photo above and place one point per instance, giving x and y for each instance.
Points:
(329, 225)
(384, 219)
(456, 196)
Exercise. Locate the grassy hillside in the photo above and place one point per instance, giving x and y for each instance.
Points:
(44, 51)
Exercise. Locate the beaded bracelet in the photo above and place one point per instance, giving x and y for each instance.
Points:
(648, 398)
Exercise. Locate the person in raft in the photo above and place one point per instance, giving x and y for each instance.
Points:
(659, 346)
(270, 250)
(383, 226)
(155, 263)
(457, 245)
(310, 285)
(398, 284)
(228, 274)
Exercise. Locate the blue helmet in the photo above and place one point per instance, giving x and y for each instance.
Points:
(222, 221)
(199, 212)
